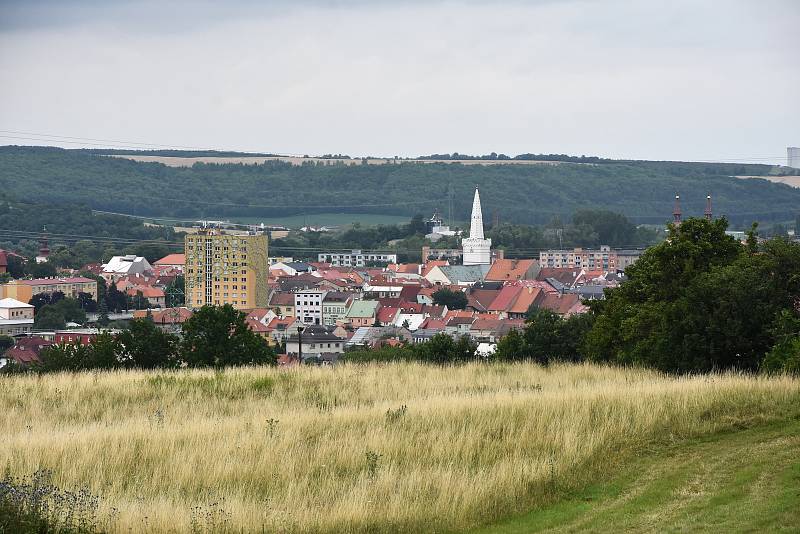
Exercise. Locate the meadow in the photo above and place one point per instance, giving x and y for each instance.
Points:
(359, 448)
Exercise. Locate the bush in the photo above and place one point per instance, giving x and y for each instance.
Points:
(35, 505)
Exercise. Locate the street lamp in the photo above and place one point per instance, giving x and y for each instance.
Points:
(300, 344)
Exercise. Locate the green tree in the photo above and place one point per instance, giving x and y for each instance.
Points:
(49, 318)
(102, 314)
(6, 342)
(144, 346)
(39, 300)
(698, 302)
(454, 300)
(217, 336)
(784, 357)
(511, 347)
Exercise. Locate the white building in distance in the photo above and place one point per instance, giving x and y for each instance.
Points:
(477, 250)
(356, 258)
(793, 157)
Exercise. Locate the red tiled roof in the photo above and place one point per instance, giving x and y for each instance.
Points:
(147, 292)
(27, 350)
(386, 314)
(505, 298)
(486, 324)
(165, 315)
(509, 269)
(557, 302)
(481, 299)
(409, 293)
(433, 323)
(280, 298)
(525, 299)
(56, 281)
(256, 326)
(172, 259)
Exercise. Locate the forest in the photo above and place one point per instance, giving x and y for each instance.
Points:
(518, 194)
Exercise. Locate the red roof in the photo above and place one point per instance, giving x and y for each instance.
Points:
(505, 298)
(166, 315)
(481, 299)
(27, 350)
(486, 324)
(56, 281)
(509, 269)
(386, 314)
(433, 323)
(147, 292)
(431, 264)
(280, 298)
(561, 304)
(172, 259)
(256, 326)
(526, 297)
(409, 293)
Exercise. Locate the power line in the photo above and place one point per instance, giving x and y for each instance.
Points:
(94, 141)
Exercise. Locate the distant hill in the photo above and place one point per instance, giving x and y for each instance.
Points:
(642, 190)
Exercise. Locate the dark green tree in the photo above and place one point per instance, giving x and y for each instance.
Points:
(102, 314)
(144, 346)
(6, 342)
(698, 302)
(511, 347)
(49, 318)
(217, 336)
(39, 300)
(454, 300)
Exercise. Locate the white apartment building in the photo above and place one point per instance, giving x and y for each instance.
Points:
(355, 258)
(308, 306)
(15, 317)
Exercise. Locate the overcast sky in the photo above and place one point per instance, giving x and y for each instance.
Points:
(670, 79)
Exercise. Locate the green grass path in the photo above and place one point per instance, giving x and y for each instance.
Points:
(745, 481)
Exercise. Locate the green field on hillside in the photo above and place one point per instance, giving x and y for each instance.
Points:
(734, 481)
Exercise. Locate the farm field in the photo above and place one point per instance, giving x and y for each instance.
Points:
(179, 161)
(401, 447)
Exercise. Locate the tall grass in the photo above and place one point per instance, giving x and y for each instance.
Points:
(400, 447)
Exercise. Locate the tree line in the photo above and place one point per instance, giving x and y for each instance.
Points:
(520, 194)
(215, 336)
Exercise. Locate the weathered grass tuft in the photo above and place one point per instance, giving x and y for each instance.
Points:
(400, 447)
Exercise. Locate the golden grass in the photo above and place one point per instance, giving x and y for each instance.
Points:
(314, 449)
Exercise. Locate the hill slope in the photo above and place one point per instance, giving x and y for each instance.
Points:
(516, 193)
(746, 481)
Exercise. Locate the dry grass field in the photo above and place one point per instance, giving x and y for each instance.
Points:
(401, 447)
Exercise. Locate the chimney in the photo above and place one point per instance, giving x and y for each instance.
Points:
(708, 213)
(676, 213)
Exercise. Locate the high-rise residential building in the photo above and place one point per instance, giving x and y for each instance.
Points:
(477, 250)
(793, 157)
(223, 268)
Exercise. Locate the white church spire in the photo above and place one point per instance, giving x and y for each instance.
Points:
(476, 249)
(476, 227)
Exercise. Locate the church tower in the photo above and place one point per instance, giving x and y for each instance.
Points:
(476, 249)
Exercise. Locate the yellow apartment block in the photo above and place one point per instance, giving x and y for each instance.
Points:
(24, 290)
(223, 268)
